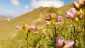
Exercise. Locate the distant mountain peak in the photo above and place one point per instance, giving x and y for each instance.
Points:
(4, 19)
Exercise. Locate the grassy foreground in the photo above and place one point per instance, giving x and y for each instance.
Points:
(11, 38)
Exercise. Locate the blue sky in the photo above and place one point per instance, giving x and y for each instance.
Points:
(14, 8)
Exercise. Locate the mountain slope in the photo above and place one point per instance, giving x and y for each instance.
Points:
(66, 7)
(11, 38)
(8, 29)
(4, 19)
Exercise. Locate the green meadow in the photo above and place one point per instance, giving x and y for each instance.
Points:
(10, 37)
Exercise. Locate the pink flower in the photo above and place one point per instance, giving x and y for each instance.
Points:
(59, 41)
(69, 44)
(69, 15)
(52, 15)
(76, 4)
(32, 27)
(73, 11)
(18, 27)
(59, 18)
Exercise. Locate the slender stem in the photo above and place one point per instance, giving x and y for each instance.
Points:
(84, 34)
(55, 35)
(84, 28)
(74, 36)
(27, 40)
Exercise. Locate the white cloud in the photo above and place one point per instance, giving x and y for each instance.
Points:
(26, 7)
(10, 13)
(47, 3)
(15, 2)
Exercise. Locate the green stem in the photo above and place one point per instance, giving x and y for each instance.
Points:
(27, 40)
(84, 35)
(55, 35)
(74, 36)
(83, 27)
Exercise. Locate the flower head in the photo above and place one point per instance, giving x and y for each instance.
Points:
(59, 18)
(76, 4)
(72, 10)
(18, 27)
(69, 44)
(59, 41)
(73, 14)
(32, 27)
(69, 15)
(52, 15)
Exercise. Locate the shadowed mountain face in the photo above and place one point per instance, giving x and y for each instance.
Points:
(8, 28)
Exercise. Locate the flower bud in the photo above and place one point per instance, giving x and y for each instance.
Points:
(52, 15)
(76, 4)
(72, 10)
(69, 15)
(32, 27)
(69, 44)
(59, 18)
(59, 42)
(18, 27)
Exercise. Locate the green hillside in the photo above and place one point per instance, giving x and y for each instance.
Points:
(9, 27)
(8, 31)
